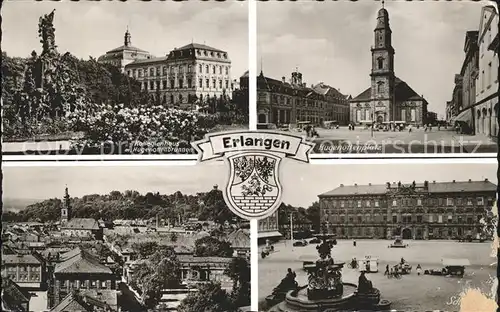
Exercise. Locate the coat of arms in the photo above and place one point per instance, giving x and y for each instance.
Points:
(253, 188)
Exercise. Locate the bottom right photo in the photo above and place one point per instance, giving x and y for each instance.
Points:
(380, 237)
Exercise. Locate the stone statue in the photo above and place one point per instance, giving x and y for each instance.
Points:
(46, 31)
(364, 285)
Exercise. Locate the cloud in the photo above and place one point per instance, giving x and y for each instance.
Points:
(330, 42)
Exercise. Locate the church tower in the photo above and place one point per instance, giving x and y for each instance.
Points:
(127, 41)
(382, 75)
(66, 209)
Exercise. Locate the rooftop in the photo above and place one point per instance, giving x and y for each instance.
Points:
(80, 261)
(403, 92)
(433, 187)
(198, 46)
(20, 259)
(81, 224)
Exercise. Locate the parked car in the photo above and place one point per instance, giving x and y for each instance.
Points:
(266, 126)
(450, 267)
(300, 243)
(398, 243)
(315, 241)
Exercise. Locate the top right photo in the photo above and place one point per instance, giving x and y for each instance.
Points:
(380, 77)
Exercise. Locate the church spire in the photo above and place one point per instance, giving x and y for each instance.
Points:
(66, 209)
(127, 40)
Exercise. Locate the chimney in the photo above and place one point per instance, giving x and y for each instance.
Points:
(434, 182)
(454, 181)
(470, 180)
(369, 184)
(283, 79)
(341, 185)
(486, 180)
(355, 184)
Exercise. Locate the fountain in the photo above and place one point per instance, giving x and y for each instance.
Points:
(326, 292)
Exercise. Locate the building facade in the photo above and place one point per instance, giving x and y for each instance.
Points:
(27, 271)
(486, 109)
(78, 227)
(186, 77)
(431, 210)
(285, 102)
(388, 98)
(269, 229)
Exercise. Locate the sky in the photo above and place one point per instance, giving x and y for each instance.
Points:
(92, 28)
(330, 42)
(302, 183)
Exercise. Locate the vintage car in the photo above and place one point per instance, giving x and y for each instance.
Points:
(300, 243)
(266, 126)
(398, 243)
(450, 267)
(315, 241)
(368, 264)
(404, 268)
(266, 251)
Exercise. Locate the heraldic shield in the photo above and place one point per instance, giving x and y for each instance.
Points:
(253, 190)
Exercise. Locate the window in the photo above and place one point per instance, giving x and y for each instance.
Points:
(128, 72)
(440, 219)
(206, 69)
(189, 68)
(403, 114)
(394, 202)
(431, 218)
(488, 76)
(394, 219)
(93, 284)
(227, 84)
(469, 201)
(151, 85)
(164, 84)
(359, 204)
(449, 201)
(380, 87)
(419, 202)
(380, 63)
(220, 84)
(200, 83)
(158, 85)
(181, 83)
(158, 71)
(140, 72)
(151, 72)
(172, 84)
(214, 85)
(358, 115)
(376, 203)
(227, 70)
(164, 70)
(189, 83)
(213, 69)
(220, 70)
(368, 204)
(413, 115)
(207, 83)
(360, 219)
(200, 68)
(342, 204)
(103, 284)
(145, 85)
(480, 201)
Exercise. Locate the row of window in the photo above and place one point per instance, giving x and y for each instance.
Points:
(377, 231)
(82, 284)
(24, 277)
(162, 85)
(22, 268)
(404, 219)
(408, 202)
(179, 69)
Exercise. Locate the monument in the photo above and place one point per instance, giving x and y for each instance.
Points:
(326, 292)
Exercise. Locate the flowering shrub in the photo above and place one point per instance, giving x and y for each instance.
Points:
(118, 124)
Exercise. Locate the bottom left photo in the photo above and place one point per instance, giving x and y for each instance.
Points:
(116, 238)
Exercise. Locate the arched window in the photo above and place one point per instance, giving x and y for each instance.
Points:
(380, 87)
(380, 63)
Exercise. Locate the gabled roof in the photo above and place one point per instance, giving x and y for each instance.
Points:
(363, 96)
(149, 60)
(199, 46)
(80, 301)
(239, 238)
(80, 261)
(126, 48)
(13, 296)
(81, 224)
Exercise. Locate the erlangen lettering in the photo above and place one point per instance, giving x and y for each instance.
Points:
(232, 142)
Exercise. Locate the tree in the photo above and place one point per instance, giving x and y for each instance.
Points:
(158, 272)
(239, 271)
(210, 297)
(145, 249)
(212, 247)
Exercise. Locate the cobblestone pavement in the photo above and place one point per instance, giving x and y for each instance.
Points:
(418, 141)
(411, 292)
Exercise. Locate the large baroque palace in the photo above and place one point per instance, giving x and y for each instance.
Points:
(185, 77)
(285, 102)
(431, 210)
(388, 98)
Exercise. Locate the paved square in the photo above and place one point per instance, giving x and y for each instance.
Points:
(411, 292)
(361, 141)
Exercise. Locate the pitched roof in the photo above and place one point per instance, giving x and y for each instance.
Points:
(403, 92)
(188, 259)
(80, 261)
(199, 46)
(82, 301)
(81, 224)
(433, 187)
(239, 238)
(20, 259)
(13, 296)
(149, 60)
(126, 48)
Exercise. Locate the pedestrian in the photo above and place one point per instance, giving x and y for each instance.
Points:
(354, 243)
(350, 127)
(353, 127)
(386, 270)
(419, 269)
(409, 128)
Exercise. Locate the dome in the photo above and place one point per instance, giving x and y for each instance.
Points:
(383, 12)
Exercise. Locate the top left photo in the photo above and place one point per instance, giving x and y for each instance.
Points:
(113, 78)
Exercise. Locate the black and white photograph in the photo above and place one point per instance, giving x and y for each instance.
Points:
(115, 238)
(113, 77)
(382, 237)
(380, 77)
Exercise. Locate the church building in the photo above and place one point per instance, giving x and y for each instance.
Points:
(388, 98)
(83, 228)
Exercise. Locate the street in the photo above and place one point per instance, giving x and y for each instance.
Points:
(411, 292)
(360, 141)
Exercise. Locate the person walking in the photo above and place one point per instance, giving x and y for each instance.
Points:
(409, 128)
(354, 243)
(386, 270)
(419, 269)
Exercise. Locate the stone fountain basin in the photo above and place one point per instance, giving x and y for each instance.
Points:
(297, 300)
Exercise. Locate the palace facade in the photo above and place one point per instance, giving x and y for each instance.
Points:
(269, 229)
(289, 102)
(430, 210)
(388, 98)
(185, 78)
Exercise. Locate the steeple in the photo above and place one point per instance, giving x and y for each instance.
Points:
(66, 209)
(127, 38)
